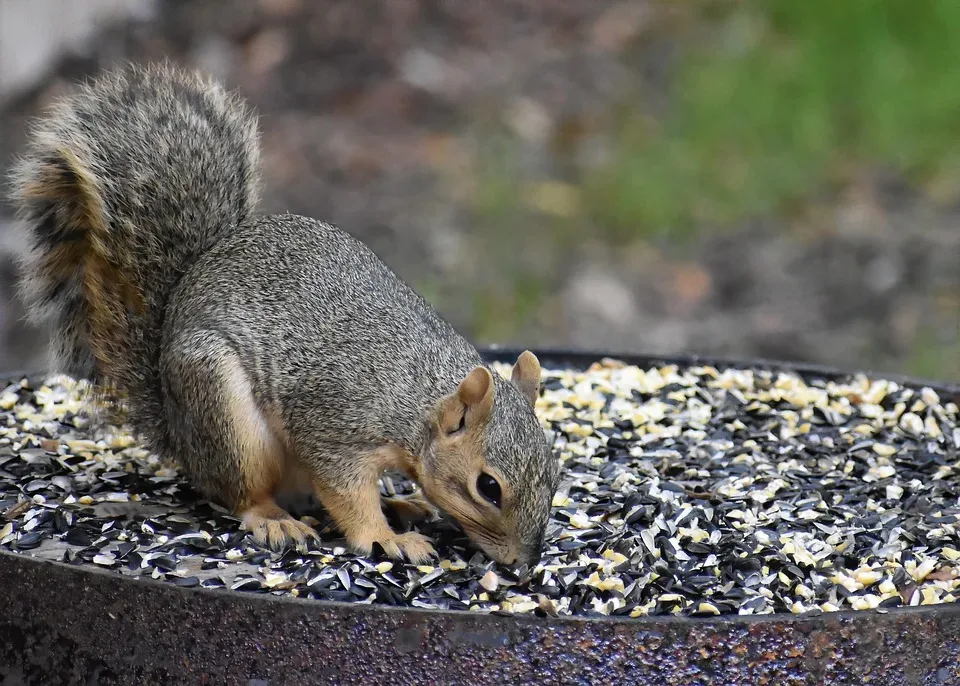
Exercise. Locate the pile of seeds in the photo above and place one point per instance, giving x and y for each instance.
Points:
(691, 491)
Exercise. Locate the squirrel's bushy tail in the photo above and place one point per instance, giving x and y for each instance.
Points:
(122, 185)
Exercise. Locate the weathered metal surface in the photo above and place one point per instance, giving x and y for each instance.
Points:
(63, 624)
(66, 625)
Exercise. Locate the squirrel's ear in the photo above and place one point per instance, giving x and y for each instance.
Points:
(526, 376)
(469, 404)
(476, 390)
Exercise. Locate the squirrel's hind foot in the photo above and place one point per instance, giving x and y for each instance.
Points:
(272, 527)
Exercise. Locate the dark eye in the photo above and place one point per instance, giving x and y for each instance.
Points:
(488, 487)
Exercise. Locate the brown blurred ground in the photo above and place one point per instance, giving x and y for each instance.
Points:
(383, 117)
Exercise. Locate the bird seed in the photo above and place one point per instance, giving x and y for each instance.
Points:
(689, 491)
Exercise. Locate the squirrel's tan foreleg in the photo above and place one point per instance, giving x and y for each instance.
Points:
(354, 504)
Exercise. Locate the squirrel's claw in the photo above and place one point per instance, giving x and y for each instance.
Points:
(272, 527)
(411, 545)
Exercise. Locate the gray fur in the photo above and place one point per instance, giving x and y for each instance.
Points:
(177, 162)
(349, 363)
(333, 343)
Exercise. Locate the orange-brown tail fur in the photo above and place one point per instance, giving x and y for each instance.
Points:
(72, 239)
(122, 185)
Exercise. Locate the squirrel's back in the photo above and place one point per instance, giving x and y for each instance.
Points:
(313, 313)
(123, 184)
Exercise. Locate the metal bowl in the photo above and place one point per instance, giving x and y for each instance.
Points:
(80, 625)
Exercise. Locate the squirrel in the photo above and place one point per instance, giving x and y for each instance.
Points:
(262, 353)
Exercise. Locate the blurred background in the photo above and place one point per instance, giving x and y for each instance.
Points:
(744, 178)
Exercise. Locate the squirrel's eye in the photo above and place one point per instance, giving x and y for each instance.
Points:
(488, 487)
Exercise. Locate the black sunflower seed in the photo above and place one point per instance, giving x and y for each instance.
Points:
(695, 491)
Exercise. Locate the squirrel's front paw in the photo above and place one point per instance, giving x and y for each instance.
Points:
(274, 528)
(414, 546)
(411, 545)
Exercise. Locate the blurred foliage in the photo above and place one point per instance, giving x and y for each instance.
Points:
(772, 101)
(771, 104)
(783, 100)
(932, 358)
(935, 352)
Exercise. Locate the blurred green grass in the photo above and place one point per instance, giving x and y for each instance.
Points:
(933, 358)
(772, 105)
(779, 104)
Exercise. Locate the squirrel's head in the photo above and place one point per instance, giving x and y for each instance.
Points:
(488, 463)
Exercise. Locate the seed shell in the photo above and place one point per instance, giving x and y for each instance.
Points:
(692, 491)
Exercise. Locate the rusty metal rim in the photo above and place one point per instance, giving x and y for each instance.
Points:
(548, 357)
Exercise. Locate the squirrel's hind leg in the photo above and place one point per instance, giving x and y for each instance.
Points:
(225, 443)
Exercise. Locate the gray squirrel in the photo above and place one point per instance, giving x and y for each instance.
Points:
(263, 354)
